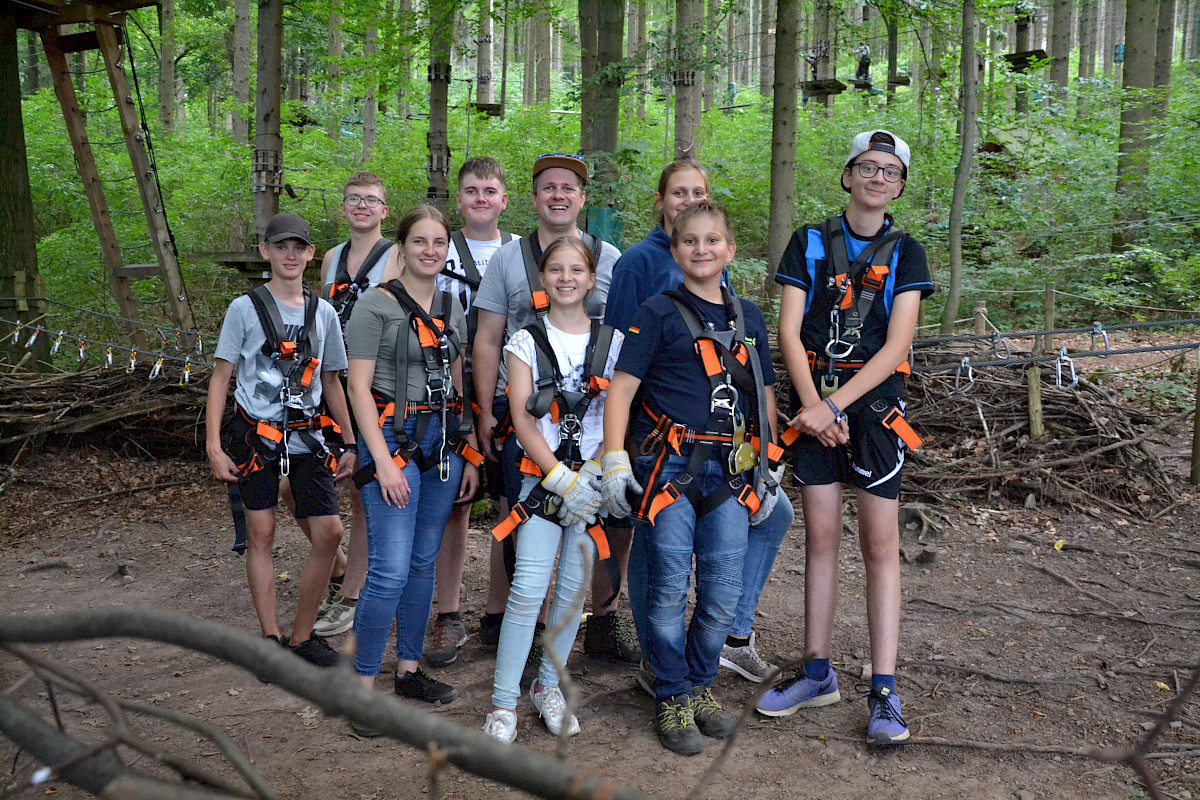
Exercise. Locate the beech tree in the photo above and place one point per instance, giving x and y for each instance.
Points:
(689, 22)
(1137, 111)
(783, 137)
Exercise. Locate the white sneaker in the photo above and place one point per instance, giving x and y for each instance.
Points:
(501, 725)
(337, 618)
(551, 704)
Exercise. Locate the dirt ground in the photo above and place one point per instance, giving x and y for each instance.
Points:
(1006, 642)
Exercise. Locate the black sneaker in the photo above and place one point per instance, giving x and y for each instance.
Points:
(316, 650)
(677, 727)
(489, 631)
(712, 720)
(611, 638)
(419, 686)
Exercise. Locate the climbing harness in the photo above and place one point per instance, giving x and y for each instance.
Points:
(344, 291)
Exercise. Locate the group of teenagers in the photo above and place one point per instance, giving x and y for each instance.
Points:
(621, 409)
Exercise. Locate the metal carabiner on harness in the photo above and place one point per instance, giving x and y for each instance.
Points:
(1098, 330)
(724, 396)
(964, 365)
(1063, 358)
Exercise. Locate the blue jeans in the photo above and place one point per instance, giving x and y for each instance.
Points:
(402, 546)
(538, 543)
(686, 658)
(762, 546)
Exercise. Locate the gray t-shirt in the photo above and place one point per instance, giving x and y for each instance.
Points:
(372, 334)
(259, 379)
(505, 290)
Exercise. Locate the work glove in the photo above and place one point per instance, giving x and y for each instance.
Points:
(767, 500)
(616, 479)
(579, 493)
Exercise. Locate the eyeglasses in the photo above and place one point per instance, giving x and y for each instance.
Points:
(867, 169)
(356, 199)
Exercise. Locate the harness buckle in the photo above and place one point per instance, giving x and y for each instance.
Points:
(829, 384)
(724, 396)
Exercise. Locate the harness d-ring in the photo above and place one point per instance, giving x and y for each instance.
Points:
(1063, 358)
(965, 364)
(1098, 330)
(723, 396)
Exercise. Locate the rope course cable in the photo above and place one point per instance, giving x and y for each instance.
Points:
(149, 326)
(1061, 357)
(980, 337)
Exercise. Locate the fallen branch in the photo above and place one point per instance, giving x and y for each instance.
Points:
(1086, 593)
(991, 676)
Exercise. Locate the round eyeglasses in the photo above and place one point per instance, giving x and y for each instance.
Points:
(867, 169)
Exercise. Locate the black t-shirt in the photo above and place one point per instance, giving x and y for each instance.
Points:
(659, 351)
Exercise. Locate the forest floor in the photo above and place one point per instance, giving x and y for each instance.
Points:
(1017, 657)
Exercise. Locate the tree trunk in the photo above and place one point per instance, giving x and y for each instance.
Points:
(387, 48)
(504, 64)
(295, 70)
(610, 17)
(32, 72)
(241, 71)
(1191, 30)
(824, 41)
(166, 64)
(543, 42)
(1060, 45)
(893, 53)
(962, 175)
(783, 137)
(637, 53)
(268, 145)
(1087, 39)
(689, 15)
(1114, 31)
(19, 278)
(1024, 43)
(483, 56)
(333, 89)
(712, 47)
(529, 73)
(1164, 54)
(1141, 23)
(404, 59)
(370, 104)
(441, 31)
(589, 38)
(766, 40)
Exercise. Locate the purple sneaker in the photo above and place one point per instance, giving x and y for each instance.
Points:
(788, 696)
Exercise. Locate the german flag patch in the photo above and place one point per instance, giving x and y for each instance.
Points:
(632, 329)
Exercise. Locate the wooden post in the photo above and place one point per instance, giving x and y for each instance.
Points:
(164, 249)
(1196, 435)
(980, 315)
(1048, 340)
(1037, 425)
(93, 187)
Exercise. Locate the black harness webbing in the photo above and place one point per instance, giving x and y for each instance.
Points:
(469, 275)
(298, 363)
(344, 291)
(853, 287)
(732, 371)
(441, 399)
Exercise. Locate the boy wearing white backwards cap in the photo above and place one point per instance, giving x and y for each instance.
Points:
(852, 289)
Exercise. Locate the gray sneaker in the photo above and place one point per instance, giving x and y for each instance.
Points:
(338, 618)
(746, 661)
(448, 636)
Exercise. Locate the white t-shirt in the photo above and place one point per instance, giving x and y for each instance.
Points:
(374, 276)
(570, 349)
(481, 254)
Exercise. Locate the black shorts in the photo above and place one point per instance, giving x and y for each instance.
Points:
(872, 460)
(312, 482)
(504, 476)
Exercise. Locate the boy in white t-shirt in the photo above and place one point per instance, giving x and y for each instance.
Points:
(481, 199)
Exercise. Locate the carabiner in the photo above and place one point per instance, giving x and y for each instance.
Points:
(838, 355)
(1098, 330)
(1063, 358)
(997, 339)
(965, 364)
(724, 396)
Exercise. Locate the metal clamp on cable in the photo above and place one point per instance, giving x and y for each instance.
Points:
(964, 365)
(1098, 330)
(998, 340)
(1064, 359)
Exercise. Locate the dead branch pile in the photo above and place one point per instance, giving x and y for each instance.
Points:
(108, 407)
(1097, 453)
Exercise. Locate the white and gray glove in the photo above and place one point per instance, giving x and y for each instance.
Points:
(615, 480)
(579, 493)
(766, 502)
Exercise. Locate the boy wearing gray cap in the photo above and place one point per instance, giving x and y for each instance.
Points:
(286, 346)
(852, 289)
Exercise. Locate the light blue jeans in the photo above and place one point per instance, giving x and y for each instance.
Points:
(402, 546)
(538, 542)
(762, 546)
(684, 658)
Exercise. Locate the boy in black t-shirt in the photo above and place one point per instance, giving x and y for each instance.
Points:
(699, 361)
(852, 289)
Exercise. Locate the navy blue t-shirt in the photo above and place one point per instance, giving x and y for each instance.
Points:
(659, 351)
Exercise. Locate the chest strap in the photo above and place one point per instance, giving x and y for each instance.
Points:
(344, 291)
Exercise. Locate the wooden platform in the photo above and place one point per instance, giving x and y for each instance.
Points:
(38, 15)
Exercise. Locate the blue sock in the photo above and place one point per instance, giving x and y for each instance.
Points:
(883, 682)
(817, 668)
